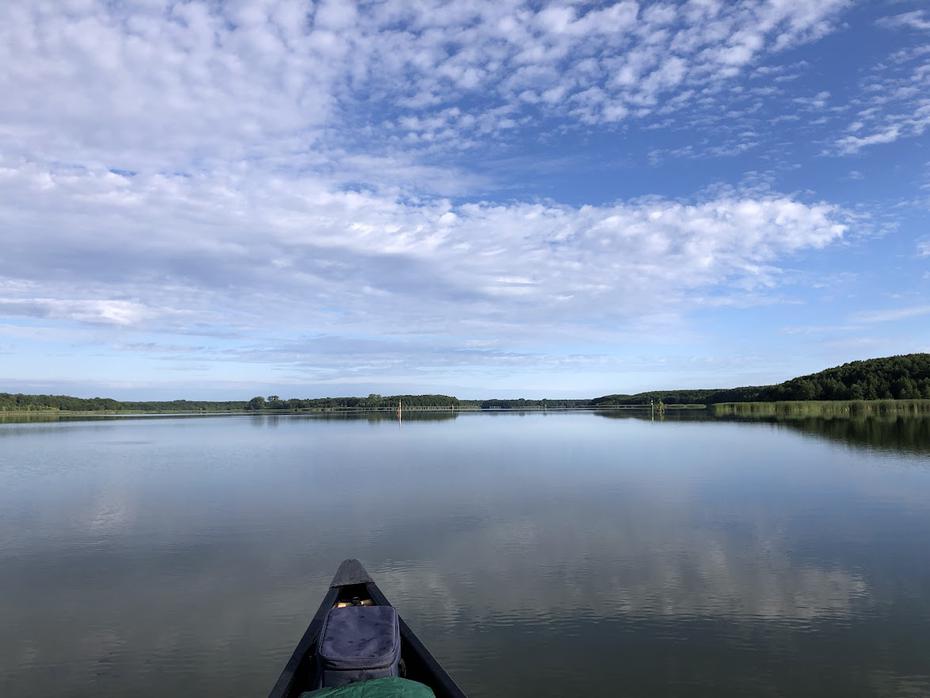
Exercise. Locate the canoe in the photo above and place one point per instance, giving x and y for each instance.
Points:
(353, 585)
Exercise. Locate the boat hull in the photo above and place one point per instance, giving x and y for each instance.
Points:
(352, 582)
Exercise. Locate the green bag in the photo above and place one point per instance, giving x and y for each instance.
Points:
(375, 688)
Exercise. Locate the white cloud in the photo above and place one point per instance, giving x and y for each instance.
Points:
(244, 249)
(902, 126)
(852, 144)
(177, 86)
(97, 311)
(892, 314)
(916, 19)
(155, 85)
(892, 103)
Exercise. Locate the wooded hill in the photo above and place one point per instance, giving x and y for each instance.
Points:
(893, 377)
(890, 378)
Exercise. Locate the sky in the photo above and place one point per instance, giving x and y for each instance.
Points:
(214, 200)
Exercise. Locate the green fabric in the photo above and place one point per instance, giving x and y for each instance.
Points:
(375, 688)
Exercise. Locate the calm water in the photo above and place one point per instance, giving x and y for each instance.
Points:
(536, 555)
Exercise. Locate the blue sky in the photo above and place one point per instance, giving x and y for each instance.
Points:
(217, 200)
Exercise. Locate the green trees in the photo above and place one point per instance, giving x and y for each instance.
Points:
(373, 401)
(894, 377)
(28, 403)
(522, 403)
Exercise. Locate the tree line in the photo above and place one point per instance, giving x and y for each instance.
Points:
(19, 402)
(373, 401)
(890, 378)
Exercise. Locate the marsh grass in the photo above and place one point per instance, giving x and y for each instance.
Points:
(821, 408)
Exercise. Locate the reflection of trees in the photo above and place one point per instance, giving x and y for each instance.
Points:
(895, 433)
(898, 434)
(668, 415)
(28, 417)
(409, 416)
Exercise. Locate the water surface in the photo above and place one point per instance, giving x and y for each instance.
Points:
(536, 555)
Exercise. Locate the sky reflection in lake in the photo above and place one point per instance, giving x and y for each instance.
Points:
(615, 556)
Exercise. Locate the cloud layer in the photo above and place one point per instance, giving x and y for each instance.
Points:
(154, 248)
(165, 84)
(893, 102)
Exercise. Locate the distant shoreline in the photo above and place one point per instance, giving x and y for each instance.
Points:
(894, 383)
(776, 409)
(341, 410)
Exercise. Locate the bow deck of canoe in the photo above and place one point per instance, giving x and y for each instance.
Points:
(353, 586)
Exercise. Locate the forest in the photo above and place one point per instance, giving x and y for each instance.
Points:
(373, 401)
(18, 402)
(891, 378)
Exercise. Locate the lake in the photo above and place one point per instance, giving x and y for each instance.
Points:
(539, 554)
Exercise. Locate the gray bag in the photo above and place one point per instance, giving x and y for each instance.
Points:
(358, 643)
